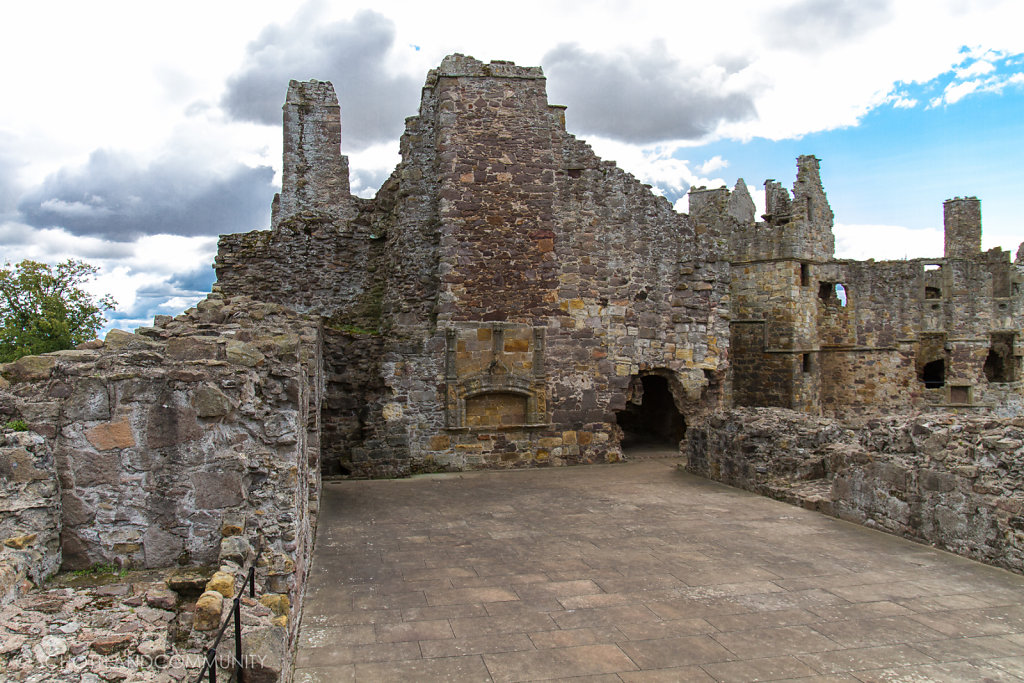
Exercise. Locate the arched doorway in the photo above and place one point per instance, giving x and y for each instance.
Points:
(650, 419)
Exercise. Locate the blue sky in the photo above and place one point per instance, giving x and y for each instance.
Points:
(135, 133)
(897, 165)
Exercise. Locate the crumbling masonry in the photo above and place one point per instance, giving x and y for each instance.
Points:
(508, 299)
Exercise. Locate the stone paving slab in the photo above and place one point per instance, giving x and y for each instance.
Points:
(635, 572)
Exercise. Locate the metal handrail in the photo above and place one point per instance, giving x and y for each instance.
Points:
(210, 665)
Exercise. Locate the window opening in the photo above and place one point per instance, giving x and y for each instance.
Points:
(805, 275)
(932, 293)
(999, 364)
(933, 374)
(833, 293)
(806, 362)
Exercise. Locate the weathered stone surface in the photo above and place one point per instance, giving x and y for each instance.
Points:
(209, 401)
(20, 542)
(233, 525)
(111, 435)
(269, 655)
(98, 469)
(19, 465)
(235, 549)
(940, 479)
(28, 369)
(89, 401)
(208, 611)
(245, 354)
(190, 348)
(216, 490)
(170, 425)
(223, 583)
(120, 340)
(161, 598)
(160, 547)
(278, 604)
(111, 644)
(189, 582)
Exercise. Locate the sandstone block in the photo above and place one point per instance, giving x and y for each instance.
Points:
(279, 604)
(189, 348)
(170, 425)
(160, 547)
(89, 401)
(96, 469)
(111, 435)
(242, 353)
(266, 650)
(216, 490)
(188, 582)
(121, 340)
(18, 465)
(111, 644)
(28, 369)
(161, 598)
(207, 612)
(235, 549)
(209, 401)
(223, 583)
(232, 525)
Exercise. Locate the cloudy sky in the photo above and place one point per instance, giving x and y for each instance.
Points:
(132, 134)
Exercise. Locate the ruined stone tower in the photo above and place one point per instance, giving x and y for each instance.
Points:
(507, 298)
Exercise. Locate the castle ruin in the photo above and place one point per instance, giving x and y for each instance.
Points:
(509, 299)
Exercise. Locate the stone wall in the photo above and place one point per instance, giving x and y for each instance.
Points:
(159, 438)
(952, 481)
(839, 337)
(495, 221)
(30, 522)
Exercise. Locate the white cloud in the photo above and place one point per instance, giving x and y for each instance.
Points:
(957, 91)
(127, 82)
(141, 275)
(886, 242)
(978, 68)
(713, 164)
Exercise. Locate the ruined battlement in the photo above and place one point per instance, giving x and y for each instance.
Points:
(462, 66)
(794, 226)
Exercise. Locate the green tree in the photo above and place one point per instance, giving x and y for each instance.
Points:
(43, 308)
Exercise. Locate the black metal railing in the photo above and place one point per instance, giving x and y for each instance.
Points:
(210, 666)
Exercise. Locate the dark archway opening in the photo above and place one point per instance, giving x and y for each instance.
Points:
(934, 374)
(650, 418)
(999, 364)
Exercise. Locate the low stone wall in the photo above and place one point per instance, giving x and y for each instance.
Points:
(952, 481)
(142, 447)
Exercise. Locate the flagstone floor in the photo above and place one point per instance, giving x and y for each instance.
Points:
(635, 572)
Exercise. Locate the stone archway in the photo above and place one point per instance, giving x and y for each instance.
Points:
(651, 418)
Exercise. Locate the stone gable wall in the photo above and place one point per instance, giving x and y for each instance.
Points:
(495, 216)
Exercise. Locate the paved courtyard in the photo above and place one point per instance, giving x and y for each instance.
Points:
(635, 572)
